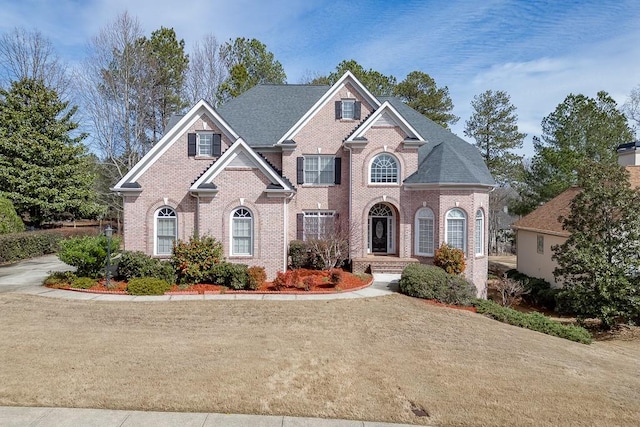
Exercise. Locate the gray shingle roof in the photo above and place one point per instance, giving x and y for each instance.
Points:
(264, 113)
(445, 158)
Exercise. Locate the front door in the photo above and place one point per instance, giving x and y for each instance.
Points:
(379, 235)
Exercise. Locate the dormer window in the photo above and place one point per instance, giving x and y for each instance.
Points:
(348, 109)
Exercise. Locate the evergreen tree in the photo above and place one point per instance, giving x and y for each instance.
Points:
(376, 82)
(420, 92)
(599, 264)
(580, 130)
(43, 168)
(248, 63)
(494, 126)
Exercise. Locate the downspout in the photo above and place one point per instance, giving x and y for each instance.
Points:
(196, 224)
(285, 226)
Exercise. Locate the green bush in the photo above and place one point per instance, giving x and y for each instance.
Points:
(534, 321)
(83, 282)
(138, 264)
(449, 259)
(10, 222)
(298, 254)
(148, 286)
(60, 278)
(429, 282)
(233, 276)
(194, 259)
(539, 291)
(19, 246)
(256, 277)
(88, 254)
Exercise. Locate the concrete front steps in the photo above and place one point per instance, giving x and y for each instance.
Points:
(381, 264)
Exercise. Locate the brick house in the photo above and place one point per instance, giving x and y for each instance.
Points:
(285, 162)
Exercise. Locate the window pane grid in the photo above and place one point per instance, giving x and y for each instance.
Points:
(242, 232)
(166, 231)
(317, 225)
(348, 109)
(425, 236)
(319, 170)
(455, 233)
(384, 169)
(205, 144)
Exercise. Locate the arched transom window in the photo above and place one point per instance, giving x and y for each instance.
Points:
(166, 230)
(241, 232)
(384, 170)
(456, 229)
(424, 232)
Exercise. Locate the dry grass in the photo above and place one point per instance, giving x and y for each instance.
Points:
(369, 359)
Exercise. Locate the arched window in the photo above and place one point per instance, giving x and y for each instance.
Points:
(456, 229)
(424, 232)
(166, 230)
(384, 170)
(241, 232)
(479, 233)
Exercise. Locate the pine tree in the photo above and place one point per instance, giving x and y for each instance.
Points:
(43, 168)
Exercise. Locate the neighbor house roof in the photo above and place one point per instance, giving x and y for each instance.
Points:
(545, 219)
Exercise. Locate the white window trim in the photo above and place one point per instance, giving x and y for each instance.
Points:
(479, 243)
(251, 237)
(318, 214)
(391, 248)
(198, 153)
(353, 109)
(155, 229)
(398, 175)
(429, 215)
(464, 228)
(333, 168)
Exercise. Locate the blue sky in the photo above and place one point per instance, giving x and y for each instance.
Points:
(537, 51)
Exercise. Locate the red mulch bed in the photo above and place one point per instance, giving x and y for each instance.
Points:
(315, 280)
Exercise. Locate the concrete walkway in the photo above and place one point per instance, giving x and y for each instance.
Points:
(26, 278)
(12, 416)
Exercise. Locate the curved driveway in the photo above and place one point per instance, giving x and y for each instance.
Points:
(26, 277)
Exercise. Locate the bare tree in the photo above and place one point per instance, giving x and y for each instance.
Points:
(206, 71)
(332, 246)
(631, 108)
(27, 54)
(116, 93)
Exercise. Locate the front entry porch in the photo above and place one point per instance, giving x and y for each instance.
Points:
(381, 264)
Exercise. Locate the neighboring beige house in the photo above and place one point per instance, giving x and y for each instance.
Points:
(286, 162)
(537, 232)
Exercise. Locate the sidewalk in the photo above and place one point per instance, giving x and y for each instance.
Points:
(12, 416)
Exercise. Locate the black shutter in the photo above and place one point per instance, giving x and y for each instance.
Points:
(191, 144)
(357, 107)
(217, 145)
(337, 168)
(300, 226)
(300, 170)
(338, 110)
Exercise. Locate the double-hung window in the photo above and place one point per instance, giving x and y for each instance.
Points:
(319, 170)
(456, 229)
(424, 232)
(205, 144)
(166, 230)
(318, 224)
(479, 233)
(241, 232)
(348, 109)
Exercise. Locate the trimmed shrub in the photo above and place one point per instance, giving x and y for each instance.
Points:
(148, 286)
(449, 259)
(138, 264)
(257, 277)
(60, 278)
(288, 279)
(534, 321)
(83, 282)
(335, 276)
(298, 254)
(233, 276)
(88, 254)
(429, 282)
(194, 259)
(10, 222)
(19, 246)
